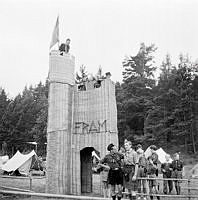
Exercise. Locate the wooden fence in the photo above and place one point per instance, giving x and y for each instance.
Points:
(29, 178)
(187, 186)
(184, 195)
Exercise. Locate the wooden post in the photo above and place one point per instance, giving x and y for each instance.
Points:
(189, 189)
(30, 182)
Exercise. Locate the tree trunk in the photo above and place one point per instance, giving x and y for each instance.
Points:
(186, 143)
(192, 137)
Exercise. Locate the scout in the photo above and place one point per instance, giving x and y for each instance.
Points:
(104, 172)
(177, 166)
(130, 170)
(166, 169)
(152, 171)
(64, 47)
(142, 170)
(114, 161)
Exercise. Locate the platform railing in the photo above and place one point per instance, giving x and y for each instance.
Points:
(188, 194)
(187, 188)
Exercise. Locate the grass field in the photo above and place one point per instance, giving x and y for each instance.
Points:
(38, 185)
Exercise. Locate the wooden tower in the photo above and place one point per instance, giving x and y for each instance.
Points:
(78, 123)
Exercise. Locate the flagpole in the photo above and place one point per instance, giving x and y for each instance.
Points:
(58, 44)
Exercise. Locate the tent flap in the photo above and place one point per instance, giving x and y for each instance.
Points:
(25, 168)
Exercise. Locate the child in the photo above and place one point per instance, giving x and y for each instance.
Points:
(142, 170)
(166, 169)
(104, 178)
(152, 171)
(177, 166)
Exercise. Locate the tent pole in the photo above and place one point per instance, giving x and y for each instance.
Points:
(30, 182)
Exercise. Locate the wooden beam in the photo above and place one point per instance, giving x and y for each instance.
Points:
(14, 188)
(23, 177)
(53, 195)
(85, 197)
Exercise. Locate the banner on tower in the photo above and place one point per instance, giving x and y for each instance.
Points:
(55, 35)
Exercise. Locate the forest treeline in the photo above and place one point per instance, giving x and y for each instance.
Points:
(161, 111)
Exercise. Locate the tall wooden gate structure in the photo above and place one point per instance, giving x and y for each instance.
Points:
(78, 122)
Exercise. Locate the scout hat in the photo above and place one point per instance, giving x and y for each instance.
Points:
(110, 147)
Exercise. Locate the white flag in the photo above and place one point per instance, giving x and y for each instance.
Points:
(55, 35)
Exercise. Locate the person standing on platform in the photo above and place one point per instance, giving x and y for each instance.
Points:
(130, 170)
(177, 166)
(166, 169)
(114, 161)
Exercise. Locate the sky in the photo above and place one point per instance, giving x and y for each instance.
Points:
(102, 33)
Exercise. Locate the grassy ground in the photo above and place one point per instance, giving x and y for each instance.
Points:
(38, 185)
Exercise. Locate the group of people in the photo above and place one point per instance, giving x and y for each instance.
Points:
(129, 169)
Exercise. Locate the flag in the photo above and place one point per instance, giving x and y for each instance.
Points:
(55, 35)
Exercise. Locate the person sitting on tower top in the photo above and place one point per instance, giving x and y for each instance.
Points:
(108, 75)
(64, 47)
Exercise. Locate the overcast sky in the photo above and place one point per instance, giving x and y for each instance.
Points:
(102, 32)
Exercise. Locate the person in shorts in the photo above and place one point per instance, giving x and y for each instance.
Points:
(166, 169)
(115, 178)
(152, 171)
(142, 170)
(130, 170)
(177, 166)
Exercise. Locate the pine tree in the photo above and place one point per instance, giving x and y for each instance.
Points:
(138, 80)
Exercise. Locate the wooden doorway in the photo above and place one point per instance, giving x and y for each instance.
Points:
(86, 169)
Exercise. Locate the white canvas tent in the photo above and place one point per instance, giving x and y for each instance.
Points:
(161, 155)
(160, 152)
(3, 160)
(193, 173)
(19, 161)
(147, 153)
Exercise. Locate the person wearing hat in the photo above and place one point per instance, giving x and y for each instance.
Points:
(130, 170)
(152, 171)
(142, 170)
(177, 166)
(114, 161)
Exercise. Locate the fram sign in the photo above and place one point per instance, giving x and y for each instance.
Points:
(93, 127)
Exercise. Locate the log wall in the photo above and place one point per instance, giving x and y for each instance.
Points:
(76, 120)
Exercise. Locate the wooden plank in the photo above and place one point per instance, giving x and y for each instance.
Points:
(168, 179)
(23, 177)
(84, 197)
(14, 188)
(53, 195)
